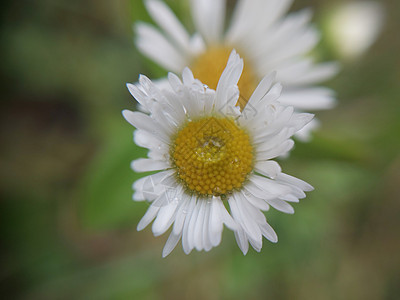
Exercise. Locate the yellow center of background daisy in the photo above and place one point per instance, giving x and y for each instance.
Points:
(209, 66)
(213, 156)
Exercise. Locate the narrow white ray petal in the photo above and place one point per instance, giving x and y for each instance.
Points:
(208, 101)
(289, 197)
(255, 15)
(155, 46)
(197, 45)
(269, 232)
(315, 98)
(143, 139)
(167, 123)
(185, 235)
(175, 82)
(300, 120)
(281, 206)
(262, 89)
(192, 224)
(206, 236)
(256, 244)
(237, 214)
(248, 220)
(209, 18)
(149, 216)
(297, 46)
(224, 215)
(269, 186)
(261, 193)
(304, 72)
(268, 168)
(229, 78)
(277, 151)
(280, 35)
(187, 76)
(144, 122)
(181, 214)
(242, 241)
(296, 182)
(215, 222)
(164, 218)
(198, 227)
(256, 201)
(139, 95)
(162, 196)
(167, 20)
(171, 243)
(305, 133)
(147, 183)
(147, 164)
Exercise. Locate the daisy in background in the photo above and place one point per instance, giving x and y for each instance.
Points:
(210, 154)
(266, 38)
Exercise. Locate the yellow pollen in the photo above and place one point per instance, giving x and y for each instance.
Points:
(209, 66)
(212, 156)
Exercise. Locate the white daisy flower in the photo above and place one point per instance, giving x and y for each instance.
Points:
(263, 35)
(209, 155)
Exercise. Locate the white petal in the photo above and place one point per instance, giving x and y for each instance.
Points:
(158, 48)
(167, 20)
(167, 121)
(144, 139)
(171, 244)
(192, 224)
(146, 165)
(238, 212)
(175, 82)
(148, 217)
(187, 248)
(224, 215)
(206, 236)
(187, 77)
(270, 186)
(296, 182)
(148, 183)
(249, 220)
(255, 14)
(144, 122)
(256, 201)
(277, 151)
(269, 232)
(262, 89)
(209, 18)
(215, 223)
(305, 72)
(289, 198)
(268, 168)
(164, 218)
(242, 241)
(229, 78)
(139, 95)
(198, 227)
(305, 133)
(315, 98)
(183, 211)
(281, 206)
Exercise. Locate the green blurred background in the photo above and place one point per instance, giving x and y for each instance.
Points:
(68, 225)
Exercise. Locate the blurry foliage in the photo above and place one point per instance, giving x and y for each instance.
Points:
(68, 222)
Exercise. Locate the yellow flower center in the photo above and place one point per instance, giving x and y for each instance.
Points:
(212, 156)
(209, 66)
